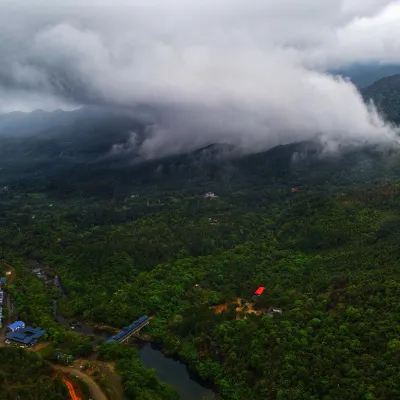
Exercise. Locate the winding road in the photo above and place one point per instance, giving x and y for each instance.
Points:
(94, 388)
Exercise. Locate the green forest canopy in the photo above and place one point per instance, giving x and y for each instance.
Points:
(129, 240)
(327, 257)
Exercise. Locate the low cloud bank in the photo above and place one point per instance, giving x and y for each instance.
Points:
(243, 73)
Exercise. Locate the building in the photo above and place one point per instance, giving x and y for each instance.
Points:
(17, 325)
(1, 308)
(126, 332)
(210, 195)
(27, 336)
(3, 281)
(274, 311)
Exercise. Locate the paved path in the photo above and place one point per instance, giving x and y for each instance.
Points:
(94, 388)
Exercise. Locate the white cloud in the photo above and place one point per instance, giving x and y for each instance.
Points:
(369, 37)
(238, 71)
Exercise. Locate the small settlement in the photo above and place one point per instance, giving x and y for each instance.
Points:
(23, 335)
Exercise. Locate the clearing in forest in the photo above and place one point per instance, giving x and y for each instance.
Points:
(242, 306)
(220, 307)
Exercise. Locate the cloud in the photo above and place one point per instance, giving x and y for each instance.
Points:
(373, 37)
(242, 72)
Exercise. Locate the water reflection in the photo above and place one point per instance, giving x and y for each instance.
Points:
(174, 373)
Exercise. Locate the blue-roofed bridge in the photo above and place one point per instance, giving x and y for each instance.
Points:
(130, 330)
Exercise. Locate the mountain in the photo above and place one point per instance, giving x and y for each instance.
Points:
(363, 75)
(92, 151)
(24, 124)
(39, 122)
(92, 172)
(131, 237)
(386, 95)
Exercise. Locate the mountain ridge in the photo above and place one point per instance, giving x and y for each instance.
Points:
(385, 94)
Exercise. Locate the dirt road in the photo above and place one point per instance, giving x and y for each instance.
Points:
(94, 388)
(71, 389)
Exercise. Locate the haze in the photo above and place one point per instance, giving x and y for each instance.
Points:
(249, 73)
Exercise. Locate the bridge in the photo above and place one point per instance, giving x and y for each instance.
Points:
(130, 330)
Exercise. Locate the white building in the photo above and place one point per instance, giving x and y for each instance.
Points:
(210, 195)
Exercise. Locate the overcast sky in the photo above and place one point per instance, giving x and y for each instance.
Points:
(249, 71)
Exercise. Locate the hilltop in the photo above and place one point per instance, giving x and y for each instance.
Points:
(386, 95)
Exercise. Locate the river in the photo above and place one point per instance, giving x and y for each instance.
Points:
(169, 370)
(174, 373)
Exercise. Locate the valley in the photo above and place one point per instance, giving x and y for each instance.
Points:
(326, 257)
(97, 242)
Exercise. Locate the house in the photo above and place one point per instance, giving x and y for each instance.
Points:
(210, 195)
(17, 325)
(274, 311)
(27, 336)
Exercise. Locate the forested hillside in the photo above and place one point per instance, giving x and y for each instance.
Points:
(386, 95)
(23, 375)
(327, 253)
(131, 238)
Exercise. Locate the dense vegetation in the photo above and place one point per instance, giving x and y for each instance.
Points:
(320, 234)
(328, 258)
(23, 375)
(139, 383)
(386, 95)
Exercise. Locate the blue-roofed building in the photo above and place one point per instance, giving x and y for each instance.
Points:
(129, 330)
(3, 281)
(27, 336)
(17, 325)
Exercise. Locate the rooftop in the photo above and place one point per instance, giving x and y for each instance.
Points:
(126, 331)
(26, 335)
(16, 325)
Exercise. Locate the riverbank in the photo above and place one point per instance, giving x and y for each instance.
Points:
(94, 388)
(152, 355)
(96, 392)
(173, 371)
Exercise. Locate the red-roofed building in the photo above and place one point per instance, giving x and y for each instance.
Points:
(259, 291)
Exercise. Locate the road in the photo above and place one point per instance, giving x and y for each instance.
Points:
(7, 304)
(94, 388)
(71, 389)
